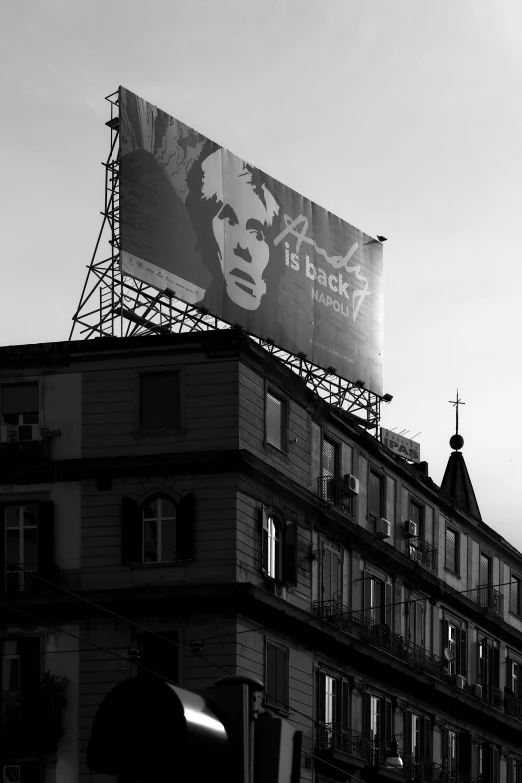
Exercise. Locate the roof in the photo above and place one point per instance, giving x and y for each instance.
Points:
(456, 484)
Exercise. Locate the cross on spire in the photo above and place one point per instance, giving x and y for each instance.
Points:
(456, 404)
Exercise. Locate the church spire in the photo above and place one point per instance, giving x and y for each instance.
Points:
(456, 483)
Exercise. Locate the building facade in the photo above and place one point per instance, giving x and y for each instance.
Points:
(184, 506)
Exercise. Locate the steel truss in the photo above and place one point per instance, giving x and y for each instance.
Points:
(115, 305)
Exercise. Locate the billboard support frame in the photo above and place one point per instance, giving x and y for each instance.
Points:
(116, 305)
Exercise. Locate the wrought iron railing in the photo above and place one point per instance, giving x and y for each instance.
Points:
(330, 736)
(490, 599)
(335, 492)
(421, 552)
(380, 636)
(19, 577)
(419, 769)
(512, 706)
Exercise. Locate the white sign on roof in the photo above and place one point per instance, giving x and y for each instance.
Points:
(400, 445)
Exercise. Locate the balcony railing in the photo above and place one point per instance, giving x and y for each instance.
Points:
(426, 771)
(490, 599)
(329, 736)
(335, 492)
(378, 635)
(20, 577)
(421, 552)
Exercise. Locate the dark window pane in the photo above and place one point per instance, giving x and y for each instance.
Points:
(19, 398)
(514, 596)
(12, 546)
(275, 410)
(329, 458)
(150, 508)
(451, 550)
(168, 540)
(276, 675)
(375, 495)
(30, 556)
(29, 515)
(150, 541)
(168, 509)
(12, 516)
(159, 401)
(485, 570)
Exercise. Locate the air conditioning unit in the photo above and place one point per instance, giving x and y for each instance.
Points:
(382, 527)
(352, 483)
(28, 432)
(477, 691)
(460, 682)
(410, 529)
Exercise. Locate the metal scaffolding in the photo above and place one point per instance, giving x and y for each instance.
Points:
(116, 305)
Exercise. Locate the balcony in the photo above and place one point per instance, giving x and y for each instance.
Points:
(330, 737)
(21, 455)
(359, 625)
(421, 552)
(336, 493)
(490, 599)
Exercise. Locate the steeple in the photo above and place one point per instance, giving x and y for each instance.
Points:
(456, 483)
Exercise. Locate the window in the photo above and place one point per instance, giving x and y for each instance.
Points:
(159, 400)
(415, 736)
(452, 751)
(19, 407)
(417, 515)
(376, 494)
(513, 677)
(485, 569)
(272, 546)
(489, 762)
(333, 710)
(20, 678)
(159, 654)
(159, 530)
(455, 648)
(331, 577)
(452, 550)
(418, 737)
(515, 604)
(276, 676)
(378, 599)
(489, 662)
(416, 621)
(275, 421)
(21, 545)
(330, 470)
(278, 547)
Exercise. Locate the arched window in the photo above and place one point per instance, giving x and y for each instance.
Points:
(159, 529)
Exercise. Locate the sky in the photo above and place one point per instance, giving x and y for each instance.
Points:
(403, 117)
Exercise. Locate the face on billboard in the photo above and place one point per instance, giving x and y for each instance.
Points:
(240, 227)
(219, 233)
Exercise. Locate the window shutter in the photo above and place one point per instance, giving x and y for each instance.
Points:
(419, 623)
(367, 714)
(388, 722)
(388, 605)
(185, 519)
(495, 764)
(495, 666)
(486, 762)
(427, 739)
(29, 651)
(509, 674)
(290, 544)
(320, 700)
(367, 593)
(2, 549)
(327, 573)
(46, 539)
(464, 753)
(345, 706)
(264, 539)
(20, 398)
(462, 643)
(445, 636)
(509, 770)
(407, 738)
(131, 531)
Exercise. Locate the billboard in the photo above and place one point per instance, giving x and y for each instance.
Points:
(404, 447)
(219, 232)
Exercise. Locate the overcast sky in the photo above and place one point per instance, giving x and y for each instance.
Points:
(403, 117)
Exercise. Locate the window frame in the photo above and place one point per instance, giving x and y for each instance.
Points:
(285, 419)
(516, 577)
(414, 502)
(452, 529)
(373, 469)
(278, 706)
(165, 431)
(269, 512)
(158, 496)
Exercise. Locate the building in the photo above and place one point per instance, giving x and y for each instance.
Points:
(184, 505)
